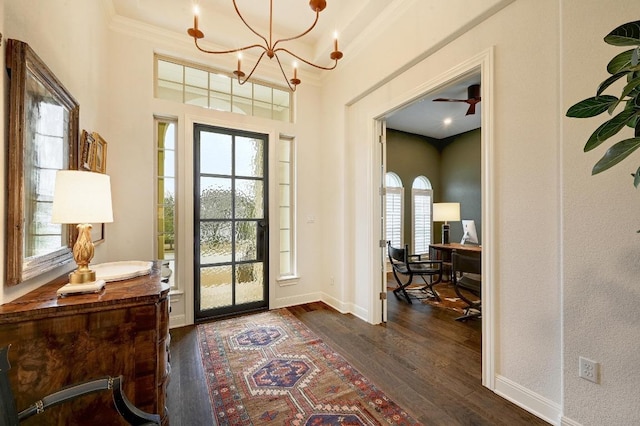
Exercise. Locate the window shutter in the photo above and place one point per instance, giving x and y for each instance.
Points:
(394, 216)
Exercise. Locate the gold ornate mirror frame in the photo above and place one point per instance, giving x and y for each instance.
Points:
(43, 138)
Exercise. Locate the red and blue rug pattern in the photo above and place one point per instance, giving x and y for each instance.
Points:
(270, 369)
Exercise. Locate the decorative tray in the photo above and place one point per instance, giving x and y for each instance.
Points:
(117, 271)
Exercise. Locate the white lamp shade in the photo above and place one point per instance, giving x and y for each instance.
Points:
(82, 197)
(446, 212)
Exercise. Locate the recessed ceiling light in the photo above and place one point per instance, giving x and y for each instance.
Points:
(447, 121)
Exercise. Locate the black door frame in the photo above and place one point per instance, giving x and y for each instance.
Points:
(263, 232)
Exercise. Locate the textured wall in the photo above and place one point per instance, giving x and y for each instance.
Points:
(600, 245)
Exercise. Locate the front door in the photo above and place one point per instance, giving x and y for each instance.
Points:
(230, 221)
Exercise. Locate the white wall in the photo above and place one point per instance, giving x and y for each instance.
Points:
(71, 38)
(600, 218)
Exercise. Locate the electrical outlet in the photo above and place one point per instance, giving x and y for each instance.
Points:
(589, 370)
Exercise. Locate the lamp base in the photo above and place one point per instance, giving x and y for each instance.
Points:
(92, 287)
(82, 277)
(445, 233)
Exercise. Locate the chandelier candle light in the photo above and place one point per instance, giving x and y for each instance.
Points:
(270, 48)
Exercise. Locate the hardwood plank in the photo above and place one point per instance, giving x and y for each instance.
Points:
(422, 358)
(187, 394)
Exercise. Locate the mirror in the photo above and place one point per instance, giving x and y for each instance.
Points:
(43, 138)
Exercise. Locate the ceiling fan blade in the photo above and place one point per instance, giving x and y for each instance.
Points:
(449, 100)
(472, 109)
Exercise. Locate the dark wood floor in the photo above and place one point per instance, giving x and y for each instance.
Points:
(422, 359)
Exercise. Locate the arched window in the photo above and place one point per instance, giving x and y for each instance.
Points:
(393, 209)
(421, 214)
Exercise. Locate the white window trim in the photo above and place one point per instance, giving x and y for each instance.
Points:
(292, 277)
(176, 287)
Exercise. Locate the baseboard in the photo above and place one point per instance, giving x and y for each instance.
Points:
(532, 402)
(177, 321)
(285, 302)
(568, 422)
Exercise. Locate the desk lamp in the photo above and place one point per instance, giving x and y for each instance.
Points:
(82, 198)
(445, 212)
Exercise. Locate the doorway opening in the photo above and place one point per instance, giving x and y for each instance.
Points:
(475, 71)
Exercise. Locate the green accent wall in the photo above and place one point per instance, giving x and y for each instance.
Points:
(453, 167)
(460, 174)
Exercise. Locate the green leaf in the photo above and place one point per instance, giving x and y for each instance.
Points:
(636, 178)
(630, 87)
(625, 35)
(591, 107)
(610, 128)
(609, 81)
(620, 62)
(616, 154)
(634, 56)
(593, 140)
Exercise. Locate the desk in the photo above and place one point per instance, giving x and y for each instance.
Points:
(443, 252)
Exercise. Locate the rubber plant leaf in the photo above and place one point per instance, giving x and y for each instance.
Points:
(625, 35)
(591, 107)
(610, 128)
(616, 154)
(626, 91)
(609, 81)
(620, 62)
(636, 178)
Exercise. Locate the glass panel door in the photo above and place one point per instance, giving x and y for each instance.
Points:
(231, 223)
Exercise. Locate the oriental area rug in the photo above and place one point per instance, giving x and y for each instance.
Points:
(270, 369)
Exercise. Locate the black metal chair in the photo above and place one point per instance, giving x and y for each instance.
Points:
(9, 415)
(466, 272)
(411, 265)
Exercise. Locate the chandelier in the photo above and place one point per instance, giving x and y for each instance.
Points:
(270, 48)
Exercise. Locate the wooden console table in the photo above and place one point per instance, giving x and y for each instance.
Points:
(56, 342)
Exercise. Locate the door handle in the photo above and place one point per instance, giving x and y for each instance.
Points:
(261, 239)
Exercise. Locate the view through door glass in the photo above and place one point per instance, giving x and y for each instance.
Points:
(230, 221)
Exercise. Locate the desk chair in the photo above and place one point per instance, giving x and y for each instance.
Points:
(466, 270)
(9, 415)
(411, 265)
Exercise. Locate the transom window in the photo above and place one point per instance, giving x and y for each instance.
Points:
(210, 88)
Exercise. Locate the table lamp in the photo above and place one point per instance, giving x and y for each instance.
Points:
(82, 198)
(445, 212)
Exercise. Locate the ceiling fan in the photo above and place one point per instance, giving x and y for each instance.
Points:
(473, 94)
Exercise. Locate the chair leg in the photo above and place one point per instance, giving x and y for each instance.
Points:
(468, 315)
(402, 287)
(430, 285)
